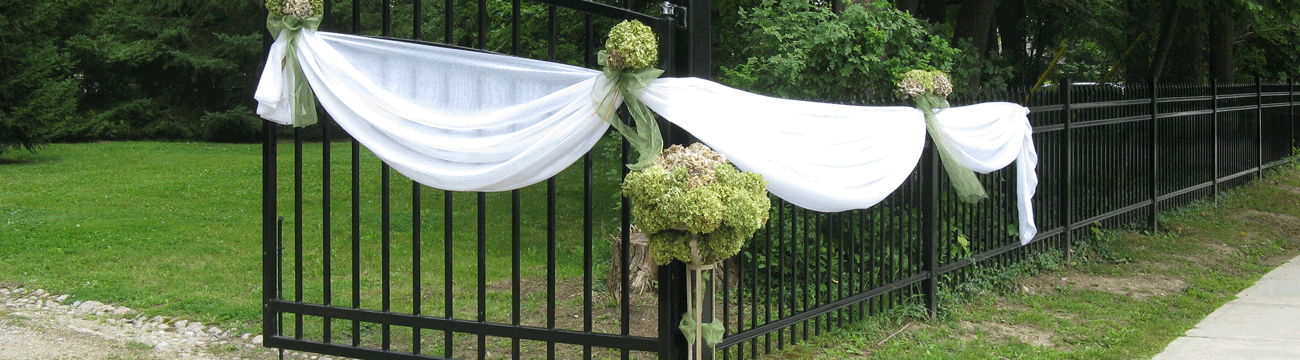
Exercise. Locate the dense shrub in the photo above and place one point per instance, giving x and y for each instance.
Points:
(800, 50)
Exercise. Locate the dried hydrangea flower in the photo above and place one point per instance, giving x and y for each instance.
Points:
(942, 86)
(699, 161)
(300, 8)
(910, 87)
(635, 42)
(614, 59)
(919, 82)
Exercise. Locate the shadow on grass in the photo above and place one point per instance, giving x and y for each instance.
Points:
(27, 158)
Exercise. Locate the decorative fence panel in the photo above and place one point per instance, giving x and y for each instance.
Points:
(373, 265)
(369, 264)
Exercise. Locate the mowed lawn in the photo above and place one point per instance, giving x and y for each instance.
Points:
(166, 227)
(175, 228)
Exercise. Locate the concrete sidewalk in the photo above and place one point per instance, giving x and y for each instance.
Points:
(1262, 323)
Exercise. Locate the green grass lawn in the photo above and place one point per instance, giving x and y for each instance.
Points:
(175, 229)
(1128, 296)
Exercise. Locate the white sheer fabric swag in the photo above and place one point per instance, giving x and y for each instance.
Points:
(469, 121)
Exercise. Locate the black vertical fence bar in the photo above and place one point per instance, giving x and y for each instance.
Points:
(270, 231)
(356, 237)
(386, 14)
(587, 232)
(801, 215)
(1067, 170)
(297, 227)
(1214, 124)
(1259, 129)
(625, 219)
(930, 227)
(482, 270)
(356, 206)
(482, 29)
(326, 247)
(448, 277)
(1291, 122)
(417, 20)
(781, 265)
(415, 263)
(514, 27)
(589, 60)
(1155, 155)
(448, 25)
(385, 239)
(550, 261)
(515, 214)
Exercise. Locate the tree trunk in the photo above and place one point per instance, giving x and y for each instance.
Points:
(641, 265)
(909, 6)
(1166, 38)
(973, 24)
(1013, 32)
(1137, 65)
(1221, 31)
(936, 11)
(1186, 62)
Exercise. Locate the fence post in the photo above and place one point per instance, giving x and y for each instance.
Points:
(697, 51)
(930, 226)
(1067, 187)
(1290, 98)
(1259, 129)
(672, 277)
(269, 227)
(1214, 118)
(1155, 156)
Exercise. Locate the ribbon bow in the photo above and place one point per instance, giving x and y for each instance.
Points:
(302, 102)
(645, 138)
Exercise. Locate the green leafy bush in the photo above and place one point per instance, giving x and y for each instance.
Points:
(800, 50)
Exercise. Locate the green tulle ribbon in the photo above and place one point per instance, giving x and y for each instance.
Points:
(302, 100)
(645, 137)
(962, 177)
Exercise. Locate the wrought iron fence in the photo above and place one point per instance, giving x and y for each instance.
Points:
(441, 274)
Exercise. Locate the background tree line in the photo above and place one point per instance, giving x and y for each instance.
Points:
(77, 70)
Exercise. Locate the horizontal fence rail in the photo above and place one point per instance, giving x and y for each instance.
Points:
(372, 265)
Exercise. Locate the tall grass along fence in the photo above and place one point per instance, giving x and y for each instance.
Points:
(365, 263)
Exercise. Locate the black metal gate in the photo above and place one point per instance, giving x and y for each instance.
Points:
(515, 274)
(440, 274)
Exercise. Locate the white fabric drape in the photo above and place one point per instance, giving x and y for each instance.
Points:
(829, 157)
(449, 119)
(469, 121)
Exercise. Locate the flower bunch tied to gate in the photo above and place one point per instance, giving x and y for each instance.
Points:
(692, 204)
(286, 18)
(929, 92)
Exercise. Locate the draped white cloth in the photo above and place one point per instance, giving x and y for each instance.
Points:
(469, 121)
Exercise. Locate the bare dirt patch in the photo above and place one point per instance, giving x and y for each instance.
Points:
(1138, 287)
(1292, 189)
(1286, 224)
(1024, 333)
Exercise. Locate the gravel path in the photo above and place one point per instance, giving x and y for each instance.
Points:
(39, 325)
